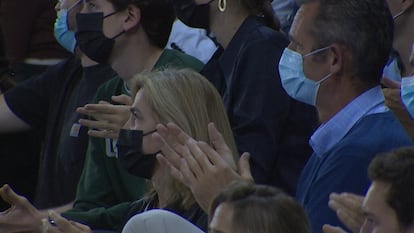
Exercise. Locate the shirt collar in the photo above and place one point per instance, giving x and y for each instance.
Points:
(331, 132)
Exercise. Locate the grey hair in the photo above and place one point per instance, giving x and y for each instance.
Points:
(365, 27)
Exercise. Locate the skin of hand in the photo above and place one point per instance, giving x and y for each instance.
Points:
(348, 208)
(21, 216)
(205, 169)
(331, 229)
(392, 94)
(108, 118)
(57, 224)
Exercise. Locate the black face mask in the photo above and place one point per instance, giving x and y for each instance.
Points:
(130, 153)
(191, 14)
(90, 38)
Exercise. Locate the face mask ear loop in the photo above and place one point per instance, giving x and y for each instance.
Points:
(150, 132)
(398, 15)
(118, 35)
(316, 51)
(110, 14)
(325, 78)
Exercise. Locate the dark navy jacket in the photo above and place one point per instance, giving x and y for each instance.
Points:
(266, 122)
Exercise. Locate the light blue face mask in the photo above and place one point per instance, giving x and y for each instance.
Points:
(391, 70)
(407, 94)
(63, 35)
(293, 77)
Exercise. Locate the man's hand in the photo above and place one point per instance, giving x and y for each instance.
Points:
(62, 225)
(21, 216)
(392, 94)
(205, 169)
(109, 118)
(348, 208)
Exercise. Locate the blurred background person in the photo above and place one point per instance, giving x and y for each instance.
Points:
(29, 42)
(285, 11)
(402, 67)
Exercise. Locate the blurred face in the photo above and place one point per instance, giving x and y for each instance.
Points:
(222, 219)
(75, 6)
(380, 217)
(143, 118)
(112, 25)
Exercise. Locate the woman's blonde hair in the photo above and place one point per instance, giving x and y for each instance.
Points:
(189, 100)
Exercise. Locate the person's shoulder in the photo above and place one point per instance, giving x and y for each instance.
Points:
(258, 33)
(383, 127)
(373, 134)
(177, 59)
(109, 88)
(65, 68)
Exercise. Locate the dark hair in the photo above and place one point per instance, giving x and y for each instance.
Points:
(397, 169)
(259, 208)
(6, 81)
(365, 27)
(263, 8)
(157, 18)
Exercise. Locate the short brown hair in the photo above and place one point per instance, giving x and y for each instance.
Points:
(157, 18)
(365, 27)
(397, 169)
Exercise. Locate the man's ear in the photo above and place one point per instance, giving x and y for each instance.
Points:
(133, 17)
(336, 58)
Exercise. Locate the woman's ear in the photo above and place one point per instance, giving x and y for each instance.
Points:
(133, 17)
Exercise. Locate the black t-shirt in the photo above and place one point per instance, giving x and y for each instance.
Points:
(19, 163)
(48, 103)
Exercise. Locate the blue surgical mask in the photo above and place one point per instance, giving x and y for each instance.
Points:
(294, 80)
(391, 70)
(407, 94)
(64, 36)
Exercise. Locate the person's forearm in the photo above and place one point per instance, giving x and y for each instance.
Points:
(9, 122)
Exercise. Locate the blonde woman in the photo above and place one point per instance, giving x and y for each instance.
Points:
(182, 97)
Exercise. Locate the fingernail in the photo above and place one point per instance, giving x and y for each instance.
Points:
(51, 218)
